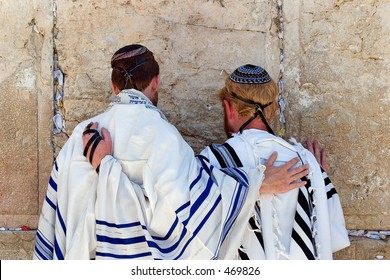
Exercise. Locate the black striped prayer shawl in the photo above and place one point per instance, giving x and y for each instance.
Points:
(304, 242)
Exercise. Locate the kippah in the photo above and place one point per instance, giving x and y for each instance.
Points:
(250, 74)
(129, 54)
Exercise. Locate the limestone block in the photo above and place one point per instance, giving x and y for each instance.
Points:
(17, 245)
(365, 249)
(25, 108)
(339, 95)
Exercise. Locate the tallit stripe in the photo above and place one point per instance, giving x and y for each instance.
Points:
(256, 231)
(302, 229)
(169, 233)
(303, 225)
(197, 178)
(53, 184)
(198, 228)
(183, 207)
(140, 238)
(200, 200)
(218, 156)
(331, 192)
(233, 154)
(302, 245)
(43, 247)
(225, 155)
(237, 174)
(207, 216)
(116, 256)
(242, 254)
(327, 181)
(240, 196)
(61, 220)
(329, 186)
(57, 249)
(302, 200)
(104, 223)
(131, 240)
(50, 203)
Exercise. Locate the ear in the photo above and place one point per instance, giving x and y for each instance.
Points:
(115, 89)
(155, 83)
(229, 109)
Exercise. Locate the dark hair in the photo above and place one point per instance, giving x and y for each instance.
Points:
(133, 66)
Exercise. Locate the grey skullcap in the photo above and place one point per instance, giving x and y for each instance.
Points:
(250, 74)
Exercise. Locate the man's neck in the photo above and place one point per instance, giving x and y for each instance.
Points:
(256, 124)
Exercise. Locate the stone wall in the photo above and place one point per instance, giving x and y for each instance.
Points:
(335, 70)
(338, 80)
(25, 109)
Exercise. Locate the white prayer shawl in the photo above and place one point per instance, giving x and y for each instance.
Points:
(177, 206)
(272, 230)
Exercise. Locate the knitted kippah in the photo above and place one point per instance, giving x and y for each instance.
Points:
(250, 74)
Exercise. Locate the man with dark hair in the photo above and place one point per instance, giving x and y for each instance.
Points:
(152, 198)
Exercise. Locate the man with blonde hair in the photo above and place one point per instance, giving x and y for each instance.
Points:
(303, 223)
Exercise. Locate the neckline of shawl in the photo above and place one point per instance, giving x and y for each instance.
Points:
(264, 135)
(134, 97)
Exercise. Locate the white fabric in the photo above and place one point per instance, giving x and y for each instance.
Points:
(276, 215)
(177, 206)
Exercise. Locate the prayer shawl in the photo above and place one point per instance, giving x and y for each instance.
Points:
(177, 206)
(304, 223)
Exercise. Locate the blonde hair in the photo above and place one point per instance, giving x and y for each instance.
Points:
(260, 93)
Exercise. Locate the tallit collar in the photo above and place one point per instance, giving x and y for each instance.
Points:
(134, 97)
(254, 136)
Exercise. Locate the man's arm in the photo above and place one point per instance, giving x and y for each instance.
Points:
(278, 179)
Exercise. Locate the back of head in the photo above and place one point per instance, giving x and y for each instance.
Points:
(133, 66)
(253, 84)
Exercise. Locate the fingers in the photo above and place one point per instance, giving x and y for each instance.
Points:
(96, 145)
(88, 132)
(299, 172)
(291, 163)
(324, 160)
(106, 136)
(297, 184)
(317, 150)
(91, 139)
(270, 161)
(309, 145)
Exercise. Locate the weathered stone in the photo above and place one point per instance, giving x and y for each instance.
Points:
(338, 83)
(336, 77)
(365, 249)
(16, 245)
(25, 108)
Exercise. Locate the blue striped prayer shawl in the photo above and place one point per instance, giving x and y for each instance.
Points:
(176, 206)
